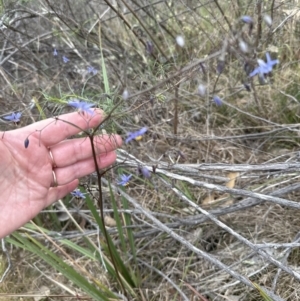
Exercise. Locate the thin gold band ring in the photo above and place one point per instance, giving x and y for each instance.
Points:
(55, 184)
(52, 158)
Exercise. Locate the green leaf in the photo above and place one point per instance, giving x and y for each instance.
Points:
(263, 293)
(118, 220)
(32, 245)
(130, 236)
(123, 271)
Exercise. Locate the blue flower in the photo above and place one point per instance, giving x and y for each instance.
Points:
(123, 181)
(82, 106)
(149, 47)
(78, 194)
(55, 52)
(14, 117)
(271, 62)
(136, 135)
(247, 19)
(91, 69)
(218, 101)
(65, 59)
(144, 171)
(264, 67)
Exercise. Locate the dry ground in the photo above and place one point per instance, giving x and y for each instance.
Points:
(238, 162)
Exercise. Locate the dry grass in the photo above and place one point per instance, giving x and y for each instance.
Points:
(258, 127)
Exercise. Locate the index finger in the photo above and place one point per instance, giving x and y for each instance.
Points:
(53, 130)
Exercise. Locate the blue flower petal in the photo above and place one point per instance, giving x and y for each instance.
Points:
(78, 194)
(247, 19)
(14, 117)
(264, 67)
(254, 72)
(65, 59)
(134, 135)
(91, 69)
(218, 101)
(123, 181)
(82, 106)
(144, 171)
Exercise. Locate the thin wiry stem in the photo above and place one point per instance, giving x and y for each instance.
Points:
(9, 264)
(100, 205)
(223, 14)
(259, 22)
(146, 30)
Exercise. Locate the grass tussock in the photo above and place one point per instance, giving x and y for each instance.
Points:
(220, 210)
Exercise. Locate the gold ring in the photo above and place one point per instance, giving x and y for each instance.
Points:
(55, 184)
(52, 158)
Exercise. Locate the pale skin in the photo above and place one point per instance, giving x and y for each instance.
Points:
(26, 174)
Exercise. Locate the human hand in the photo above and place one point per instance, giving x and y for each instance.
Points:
(33, 178)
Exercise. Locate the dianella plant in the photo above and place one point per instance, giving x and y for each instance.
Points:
(201, 203)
